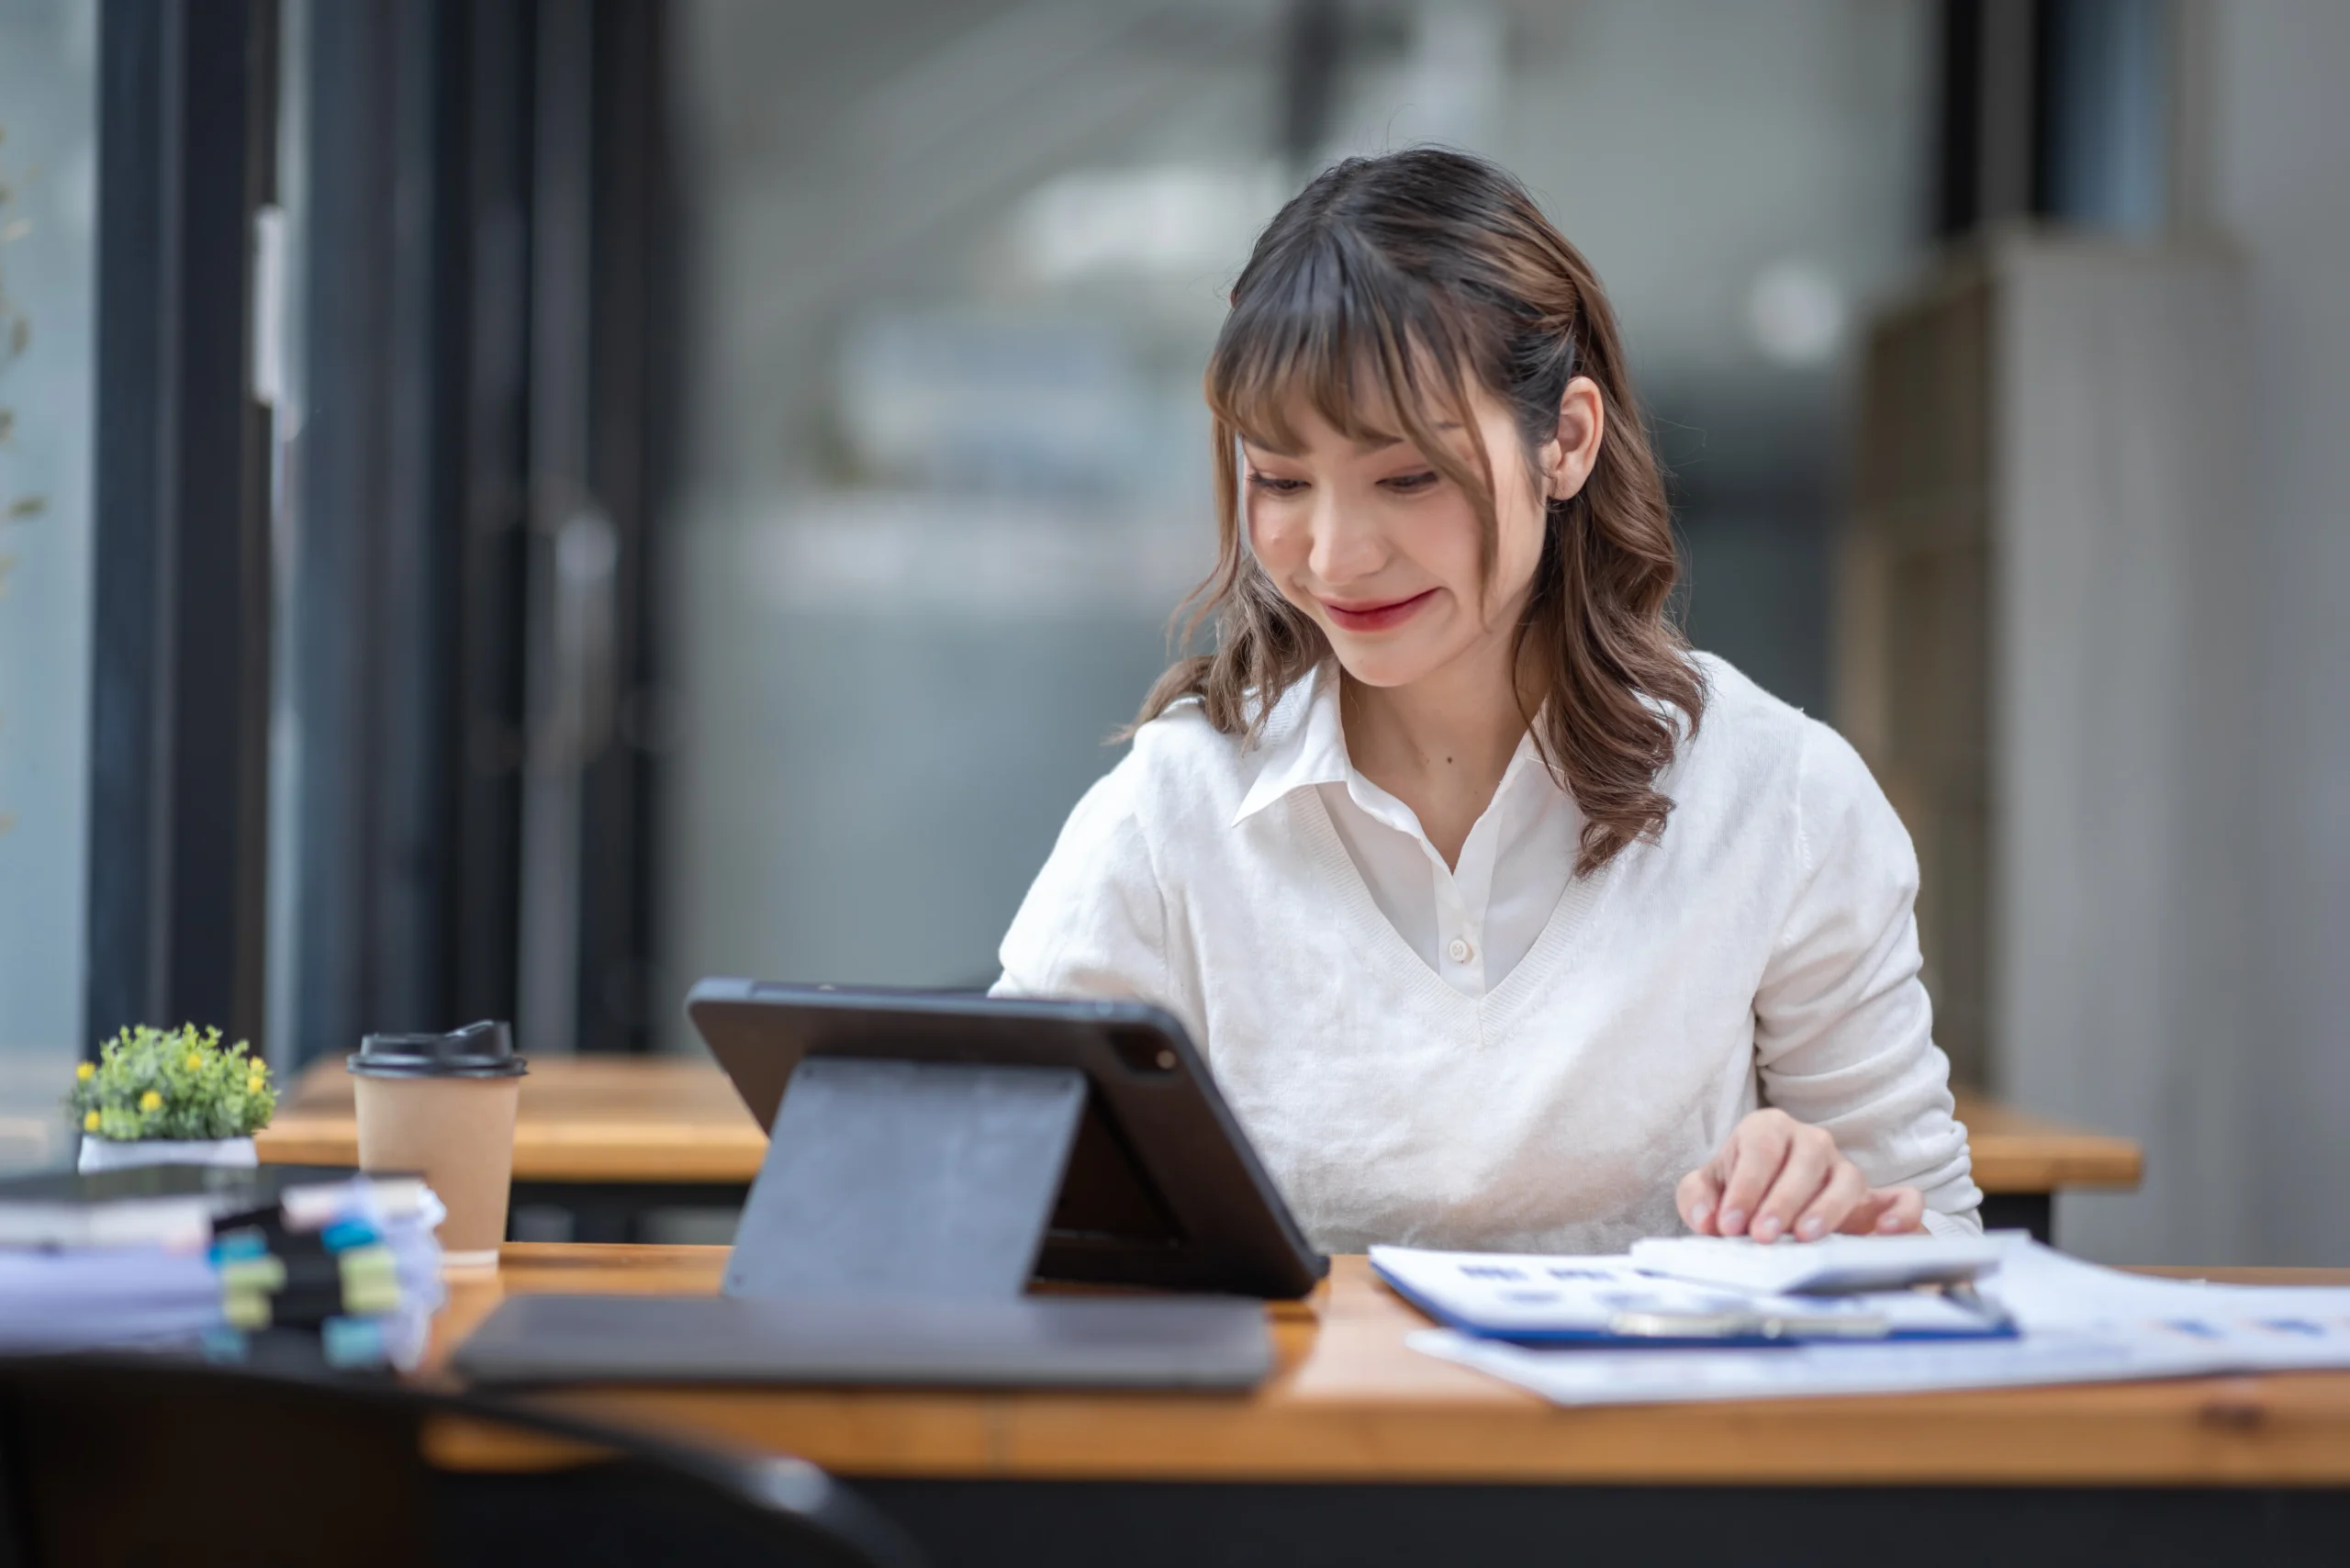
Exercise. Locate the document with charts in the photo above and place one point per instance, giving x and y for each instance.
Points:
(2077, 1323)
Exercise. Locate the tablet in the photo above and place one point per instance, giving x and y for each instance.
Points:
(1161, 1187)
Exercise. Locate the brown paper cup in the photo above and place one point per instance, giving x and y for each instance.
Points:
(458, 1133)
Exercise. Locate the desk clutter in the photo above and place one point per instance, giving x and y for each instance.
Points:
(289, 1264)
(1703, 1320)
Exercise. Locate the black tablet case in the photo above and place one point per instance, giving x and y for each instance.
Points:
(899, 1211)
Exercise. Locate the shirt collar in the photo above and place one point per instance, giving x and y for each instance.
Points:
(1303, 743)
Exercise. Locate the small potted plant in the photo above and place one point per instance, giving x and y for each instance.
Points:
(171, 1097)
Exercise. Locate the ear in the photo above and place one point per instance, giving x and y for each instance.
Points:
(1572, 450)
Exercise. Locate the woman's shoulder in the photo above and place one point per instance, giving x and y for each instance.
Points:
(1181, 767)
(1180, 758)
(1752, 742)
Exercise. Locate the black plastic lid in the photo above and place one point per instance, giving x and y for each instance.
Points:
(479, 1050)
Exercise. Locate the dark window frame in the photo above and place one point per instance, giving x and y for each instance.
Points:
(179, 677)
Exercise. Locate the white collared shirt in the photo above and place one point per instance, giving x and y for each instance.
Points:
(1547, 1092)
(1471, 922)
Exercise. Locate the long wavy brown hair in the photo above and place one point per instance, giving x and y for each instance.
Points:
(1387, 288)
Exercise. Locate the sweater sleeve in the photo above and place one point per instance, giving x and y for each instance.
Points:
(1843, 1031)
(1094, 923)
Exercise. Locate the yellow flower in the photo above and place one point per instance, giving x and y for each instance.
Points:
(86, 1071)
(150, 1100)
(194, 1061)
(90, 1123)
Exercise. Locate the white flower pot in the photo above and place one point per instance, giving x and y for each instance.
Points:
(105, 1154)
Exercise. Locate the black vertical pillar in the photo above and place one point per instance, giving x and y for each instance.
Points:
(599, 349)
(403, 611)
(444, 394)
(336, 604)
(484, 433)
(179, 719)
(632, 356)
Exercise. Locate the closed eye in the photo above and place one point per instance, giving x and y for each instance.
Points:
(1410, 484)
(1273, 486)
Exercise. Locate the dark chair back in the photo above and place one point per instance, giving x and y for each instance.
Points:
(139, 1459)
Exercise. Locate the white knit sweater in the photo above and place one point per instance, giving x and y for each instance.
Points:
(1764, 952)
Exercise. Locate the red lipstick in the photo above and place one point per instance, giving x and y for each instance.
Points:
(1377, 617)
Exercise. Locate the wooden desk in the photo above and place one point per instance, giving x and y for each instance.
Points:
(644, 1121)
(629, 1133)
(1351, 1405)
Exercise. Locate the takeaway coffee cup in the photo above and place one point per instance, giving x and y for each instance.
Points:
(443, 1105)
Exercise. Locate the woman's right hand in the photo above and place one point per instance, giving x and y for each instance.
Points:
(1774, 1176)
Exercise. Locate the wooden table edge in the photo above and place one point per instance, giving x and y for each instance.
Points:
(2276, 1430)
(634, 1159)
(2014, 1151)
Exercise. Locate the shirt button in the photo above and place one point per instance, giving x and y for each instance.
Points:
(1459, 951)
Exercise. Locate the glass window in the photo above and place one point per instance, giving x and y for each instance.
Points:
(954, 273)
(48, 264)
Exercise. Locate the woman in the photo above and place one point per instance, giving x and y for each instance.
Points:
(1504, 920)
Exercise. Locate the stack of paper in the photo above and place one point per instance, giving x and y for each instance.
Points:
(2073, 1322)
(197, 1257)
(106, 1296)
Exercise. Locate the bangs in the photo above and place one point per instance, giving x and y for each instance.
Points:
(1334, 329)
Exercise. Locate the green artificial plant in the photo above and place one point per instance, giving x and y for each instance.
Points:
(173, 1083)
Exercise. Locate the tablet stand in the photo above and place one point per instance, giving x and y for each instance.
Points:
(889, 1237)
(907, 1181)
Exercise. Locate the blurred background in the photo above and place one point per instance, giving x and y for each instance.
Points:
(507, 507)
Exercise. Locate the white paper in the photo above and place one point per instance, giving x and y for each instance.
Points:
(1663, 1376)
(115, 1296)
(2232, 1327)
(2079, 1322)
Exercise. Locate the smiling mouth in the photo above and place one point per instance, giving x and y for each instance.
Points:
(1377, 617)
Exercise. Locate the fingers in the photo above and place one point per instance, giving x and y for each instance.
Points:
(1803, 1176)
(1699, 1194)
(1888, 1211)
(1906, 1211)
(1774, 1176)
(1757, 1149)
(1862, 1218)
(1846, 1190)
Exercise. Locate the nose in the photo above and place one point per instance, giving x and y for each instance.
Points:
(1344, 549)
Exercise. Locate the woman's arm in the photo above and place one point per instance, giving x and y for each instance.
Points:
(1844, 1032)
(1094, 923)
